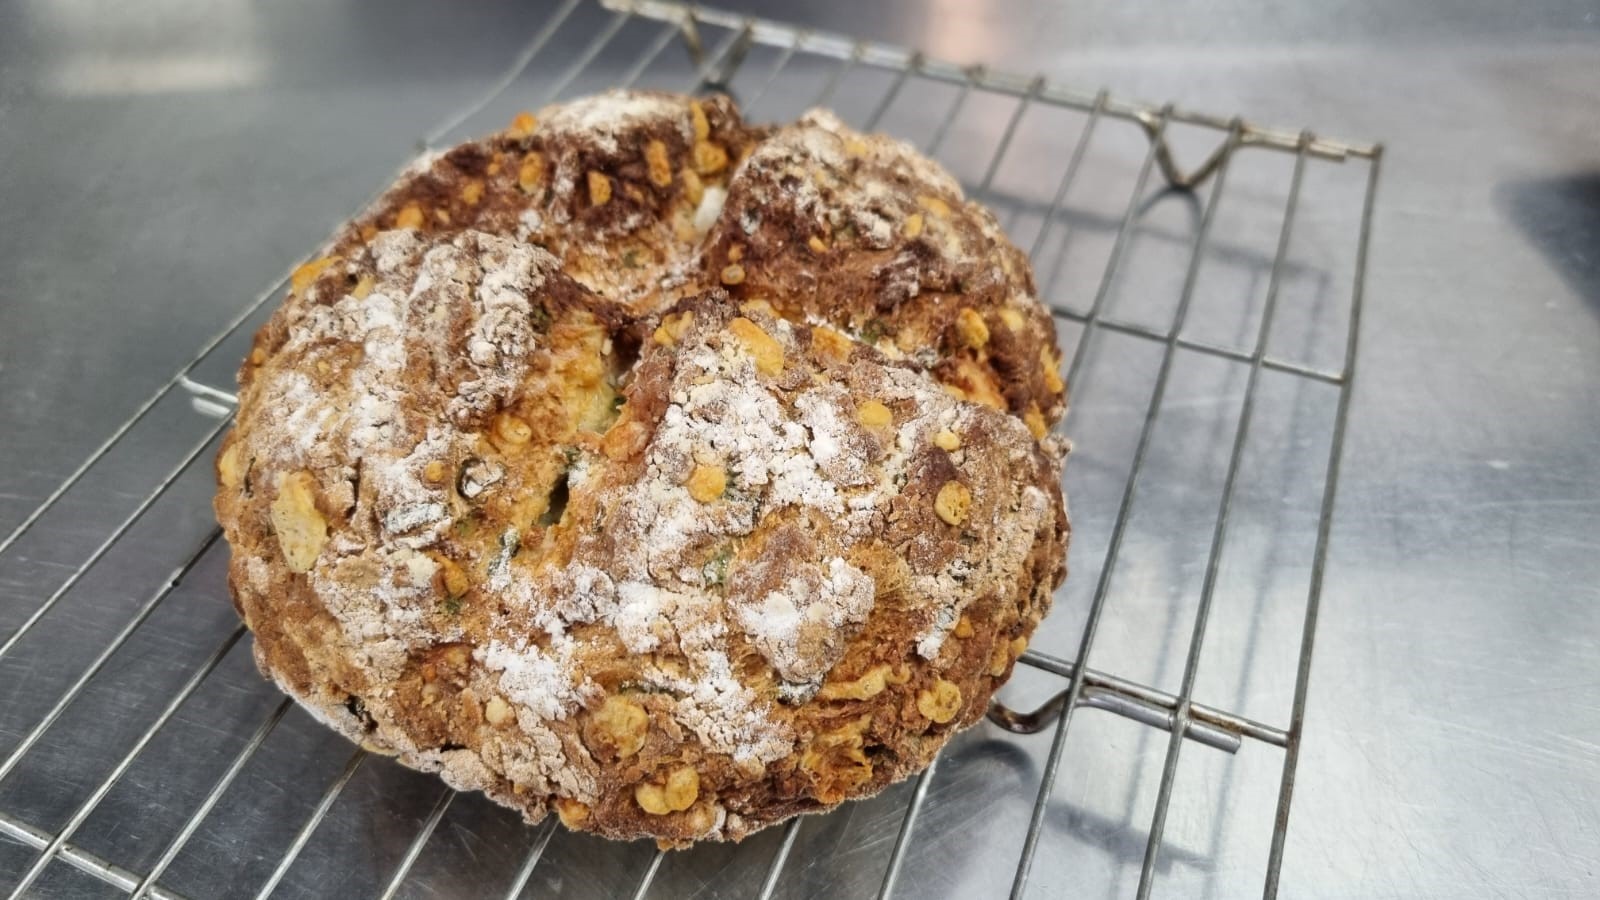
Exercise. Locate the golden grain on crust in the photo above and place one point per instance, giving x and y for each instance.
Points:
(623, 440)
(498, 712)
(677, 794)
(874, 414)
(981, 382)
(1005, 653)
(453, 656)
(672, 327)
(1035, 422)
(1052, 371)
(833, 343)
(693, 188)
(762, 347)
(697, 115)
(530, 174)
(522, 125)
(409, 217)
(999, 661)
(974, 332)
(229, 471)
(658, 163)
(573, 813)
(652, 798)
(940, 702)
(699, 820)
(453, 579)
(953, 502)
(682, 788)
(300, 527)
(599, 188)
(308, 272)
(620, 726)
(866, 687)
(934, 205)
(835, 760)
(947, 440)
(512, 430)
(709, 159)
(706, 483)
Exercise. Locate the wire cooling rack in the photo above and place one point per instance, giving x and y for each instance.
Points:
(1211, 368)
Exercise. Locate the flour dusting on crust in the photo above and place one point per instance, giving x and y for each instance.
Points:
(665, 472)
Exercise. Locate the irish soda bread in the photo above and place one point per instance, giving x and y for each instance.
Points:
(670, 473)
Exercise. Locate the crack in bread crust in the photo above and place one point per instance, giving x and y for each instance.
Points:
(670, 473)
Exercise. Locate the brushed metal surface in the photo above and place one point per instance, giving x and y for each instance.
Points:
(160, 168)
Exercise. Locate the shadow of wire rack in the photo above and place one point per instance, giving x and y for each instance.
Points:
(1237, 321)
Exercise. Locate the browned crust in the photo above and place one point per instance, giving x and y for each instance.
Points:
(814, 178)
(415, 637)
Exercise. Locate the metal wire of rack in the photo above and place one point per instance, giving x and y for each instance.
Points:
(715, 65)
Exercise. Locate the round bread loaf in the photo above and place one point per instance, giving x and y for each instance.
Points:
(675, 475)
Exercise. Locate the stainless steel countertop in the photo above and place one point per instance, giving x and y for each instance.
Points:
(160, 168)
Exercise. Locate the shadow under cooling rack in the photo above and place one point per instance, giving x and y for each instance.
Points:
(1210, 313)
